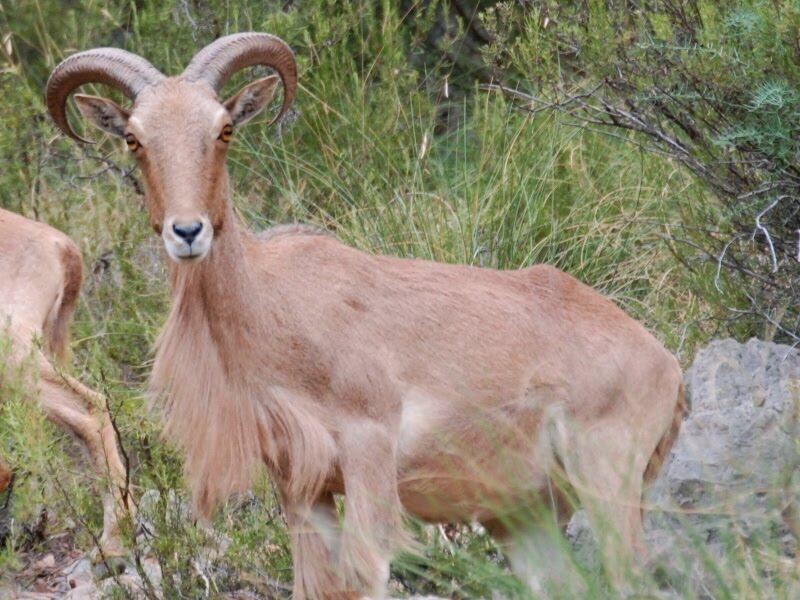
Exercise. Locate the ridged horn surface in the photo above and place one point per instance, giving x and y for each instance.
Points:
(217, 62)
(128, 72)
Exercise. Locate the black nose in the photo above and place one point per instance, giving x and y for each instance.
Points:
(187, 231)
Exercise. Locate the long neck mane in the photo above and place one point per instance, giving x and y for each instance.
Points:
(211, 375)
(206, 409)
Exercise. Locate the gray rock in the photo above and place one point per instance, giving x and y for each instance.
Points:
(86, 591)
(732, 463)
(580, 536)
(729, 476)
(79, 573)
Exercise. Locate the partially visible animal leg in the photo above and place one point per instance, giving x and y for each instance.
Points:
(606, 465)
(539, 557)
(5, 476)
(80, 410)
(95, 404)
(314, 534)
(532, 539)
(373, 526)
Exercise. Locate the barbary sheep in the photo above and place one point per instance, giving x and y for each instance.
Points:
(448, 392)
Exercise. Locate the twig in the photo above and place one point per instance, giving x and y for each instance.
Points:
(721, 260)
(199, 571)
(533, 100)
(192, 23)
(126, 491)
(765, 231)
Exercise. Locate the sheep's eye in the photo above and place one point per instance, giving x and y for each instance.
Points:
(226, 134)
(133, 143)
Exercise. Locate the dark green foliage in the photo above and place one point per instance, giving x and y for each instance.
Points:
(713, 85)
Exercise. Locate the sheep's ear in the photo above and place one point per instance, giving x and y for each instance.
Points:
(103, 113)
(251, 99)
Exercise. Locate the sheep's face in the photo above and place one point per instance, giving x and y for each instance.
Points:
(179, 133)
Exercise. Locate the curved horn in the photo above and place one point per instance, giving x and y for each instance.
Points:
(218, 61)
(123, 70)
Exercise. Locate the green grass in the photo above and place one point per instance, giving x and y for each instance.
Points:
(499, 189)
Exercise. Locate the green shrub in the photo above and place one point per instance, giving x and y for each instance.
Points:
(715, 86)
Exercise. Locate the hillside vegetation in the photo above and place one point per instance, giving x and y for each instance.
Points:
(382, 150)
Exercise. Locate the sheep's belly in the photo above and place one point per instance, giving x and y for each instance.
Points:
(460, 461)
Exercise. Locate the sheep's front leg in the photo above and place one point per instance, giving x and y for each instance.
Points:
(373, 527)
(313, 529)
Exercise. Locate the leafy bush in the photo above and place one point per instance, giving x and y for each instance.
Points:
(714, 86)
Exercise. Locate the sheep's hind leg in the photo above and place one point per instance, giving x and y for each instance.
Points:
(606, 469)
(537, 551)
(80, 410)
(539, 556)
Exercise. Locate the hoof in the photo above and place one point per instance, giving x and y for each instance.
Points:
(113, 565)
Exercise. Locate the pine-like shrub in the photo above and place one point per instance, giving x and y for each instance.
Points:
(713, 85)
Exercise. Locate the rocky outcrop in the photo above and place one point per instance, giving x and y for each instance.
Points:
(737, 450)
